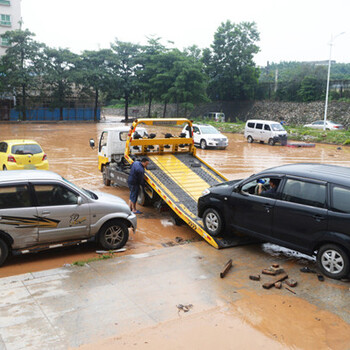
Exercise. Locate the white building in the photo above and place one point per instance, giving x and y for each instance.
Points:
(10, 17)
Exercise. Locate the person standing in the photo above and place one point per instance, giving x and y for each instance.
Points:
(135, 180)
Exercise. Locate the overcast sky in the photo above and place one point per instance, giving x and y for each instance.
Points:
(290, 30)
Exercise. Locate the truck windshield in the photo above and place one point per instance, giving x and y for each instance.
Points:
(277, 127)
(209, 130)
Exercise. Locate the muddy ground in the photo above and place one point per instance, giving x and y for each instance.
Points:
(69, 154)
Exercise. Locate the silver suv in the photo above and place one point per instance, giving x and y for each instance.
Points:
(41, 210)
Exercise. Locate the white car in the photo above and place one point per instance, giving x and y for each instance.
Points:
(207, 136)
(319, 124)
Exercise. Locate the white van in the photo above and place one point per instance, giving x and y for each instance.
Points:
(265, 131)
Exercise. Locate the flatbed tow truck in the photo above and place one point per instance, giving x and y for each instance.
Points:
(175, 175)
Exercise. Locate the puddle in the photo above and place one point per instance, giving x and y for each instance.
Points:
(69, 154)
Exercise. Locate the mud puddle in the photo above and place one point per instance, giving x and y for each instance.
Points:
(69, 154)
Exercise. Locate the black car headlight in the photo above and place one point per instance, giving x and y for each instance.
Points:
(205, 192)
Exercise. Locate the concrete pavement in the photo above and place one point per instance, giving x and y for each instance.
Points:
(71, 306)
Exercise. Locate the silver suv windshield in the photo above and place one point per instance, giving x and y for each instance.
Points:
(87, 193)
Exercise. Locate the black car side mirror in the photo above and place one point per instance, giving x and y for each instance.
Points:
(92, 143)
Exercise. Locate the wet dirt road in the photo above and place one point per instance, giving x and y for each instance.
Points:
(69, 154)
(259, 320)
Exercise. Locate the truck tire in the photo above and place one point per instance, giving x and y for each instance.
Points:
(333, 261)
(142, 198)
(4, 251)
(213, 222)
(106, 180)
(113, 235)
(271, 142)
(250, 139)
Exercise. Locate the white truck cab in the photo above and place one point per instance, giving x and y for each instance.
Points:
(112, 144)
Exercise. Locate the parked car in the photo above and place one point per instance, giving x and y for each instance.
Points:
(22, 154)
(41, 210)
(216, 116)
(319, 124)
(206, 136)
(308, 211)
(265, 131)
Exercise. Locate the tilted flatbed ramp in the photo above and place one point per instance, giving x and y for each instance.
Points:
(179, 177)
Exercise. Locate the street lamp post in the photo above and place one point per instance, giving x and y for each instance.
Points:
(328, 75)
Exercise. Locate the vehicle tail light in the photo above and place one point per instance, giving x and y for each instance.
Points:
(336, 126)
(44, 157)
(11, 159)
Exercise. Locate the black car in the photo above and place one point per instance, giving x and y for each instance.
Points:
(305, 207)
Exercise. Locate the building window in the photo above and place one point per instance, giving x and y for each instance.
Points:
(5, 2)
(4, 42)
(5, 20)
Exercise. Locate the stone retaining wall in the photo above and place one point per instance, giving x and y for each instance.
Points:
(291, 112)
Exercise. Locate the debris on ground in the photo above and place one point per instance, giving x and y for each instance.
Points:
(254, 277)
(184, 308)
(278, 285)
(307, 270)
(227, 267)
(178, 239)
(291, 283)
(292, 291)
(273, 270)
(320, 277)
(269, 285)
(110, 251)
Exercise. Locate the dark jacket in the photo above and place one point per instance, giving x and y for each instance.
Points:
(137, 172)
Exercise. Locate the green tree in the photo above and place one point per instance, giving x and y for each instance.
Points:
(190, 81)
(150, 67)
(21, 65)
(94, 72)
(126, 67)
(229, 64)
(60, 75)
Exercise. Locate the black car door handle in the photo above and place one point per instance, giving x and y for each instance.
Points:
(268, 207)
(318, 217)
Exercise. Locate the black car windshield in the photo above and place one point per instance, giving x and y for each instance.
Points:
(88, 193)
(209, 130)
(26, 149)
(277, 127)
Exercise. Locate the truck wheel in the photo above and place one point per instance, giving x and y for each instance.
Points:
(142, 198)
(213, 222)
(113, 235)
(4, 168)
(203, 144)
(271, 142)
(4, 251)
(333, 261)
(250, 139)
(106, 180)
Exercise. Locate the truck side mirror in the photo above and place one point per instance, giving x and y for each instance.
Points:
(92, 143)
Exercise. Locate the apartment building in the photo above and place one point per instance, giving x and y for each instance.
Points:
(10, 16)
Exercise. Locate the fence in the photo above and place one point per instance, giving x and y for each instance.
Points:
(46, 114)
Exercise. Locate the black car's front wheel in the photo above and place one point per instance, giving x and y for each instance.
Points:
(333, 261)
(113, 235)
(213, 222)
